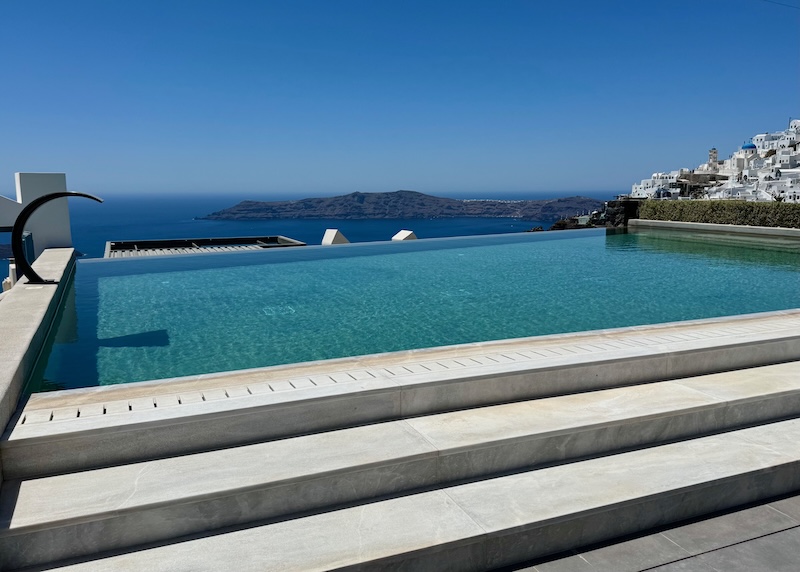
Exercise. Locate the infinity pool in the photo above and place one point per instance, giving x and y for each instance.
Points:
(129, 320)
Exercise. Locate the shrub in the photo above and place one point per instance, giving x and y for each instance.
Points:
(781, 214)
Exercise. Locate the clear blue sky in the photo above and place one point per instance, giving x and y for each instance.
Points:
(326, 97)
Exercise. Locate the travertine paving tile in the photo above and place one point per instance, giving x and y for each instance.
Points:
(552, 415)
(141, 404)
(551, 493)
(503, 358)
(434, 366)
(260, 388)
(112, 489)
(37, 416)
(301, 383)
(121, 406)
(416, 368)
(742, 384)
(317, 543)
(450, 364)
(91, 410)
(281, 386)
(190, 397)
(64, 413)
(323, 380)
(237, 391)
(360, 374)
(214, 394)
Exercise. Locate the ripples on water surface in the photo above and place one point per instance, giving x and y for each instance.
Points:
(131, 320)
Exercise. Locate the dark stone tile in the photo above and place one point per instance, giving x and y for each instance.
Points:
(728, 529)
(779, 552)
(634, 555)
(688, 565)
(789, 506)
(567, 564)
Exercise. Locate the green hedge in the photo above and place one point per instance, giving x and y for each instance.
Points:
(786, 215)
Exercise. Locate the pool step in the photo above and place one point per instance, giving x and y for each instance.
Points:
(96, 428)
(503, 520)
(78, 514)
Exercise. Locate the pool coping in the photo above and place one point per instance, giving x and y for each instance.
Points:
(27, 312)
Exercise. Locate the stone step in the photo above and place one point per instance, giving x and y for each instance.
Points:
(75, 514)
(104, 431)
(504, 520)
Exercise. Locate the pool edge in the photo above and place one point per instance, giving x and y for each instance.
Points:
(27, 312)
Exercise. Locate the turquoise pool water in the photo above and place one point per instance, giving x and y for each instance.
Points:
(149, 318)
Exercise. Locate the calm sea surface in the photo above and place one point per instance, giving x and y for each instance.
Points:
(125, 218)
(170, 216)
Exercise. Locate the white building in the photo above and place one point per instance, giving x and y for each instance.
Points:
(657, 185)
(766, 168)
(778, 140)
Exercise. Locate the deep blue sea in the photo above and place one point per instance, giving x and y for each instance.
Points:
(170, 216)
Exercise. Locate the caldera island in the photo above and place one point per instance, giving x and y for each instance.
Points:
(406, 205)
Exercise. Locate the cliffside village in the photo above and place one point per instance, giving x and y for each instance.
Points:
(766, 168)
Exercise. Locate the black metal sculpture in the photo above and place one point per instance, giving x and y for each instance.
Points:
(17, 247)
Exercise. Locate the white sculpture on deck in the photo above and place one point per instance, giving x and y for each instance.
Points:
(405, 235)
(334, 236)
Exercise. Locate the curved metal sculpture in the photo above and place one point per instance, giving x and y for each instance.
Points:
(17, 247)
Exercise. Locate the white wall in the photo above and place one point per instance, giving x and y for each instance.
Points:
(49, 225)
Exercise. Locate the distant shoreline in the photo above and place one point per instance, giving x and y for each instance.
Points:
(406, 205)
